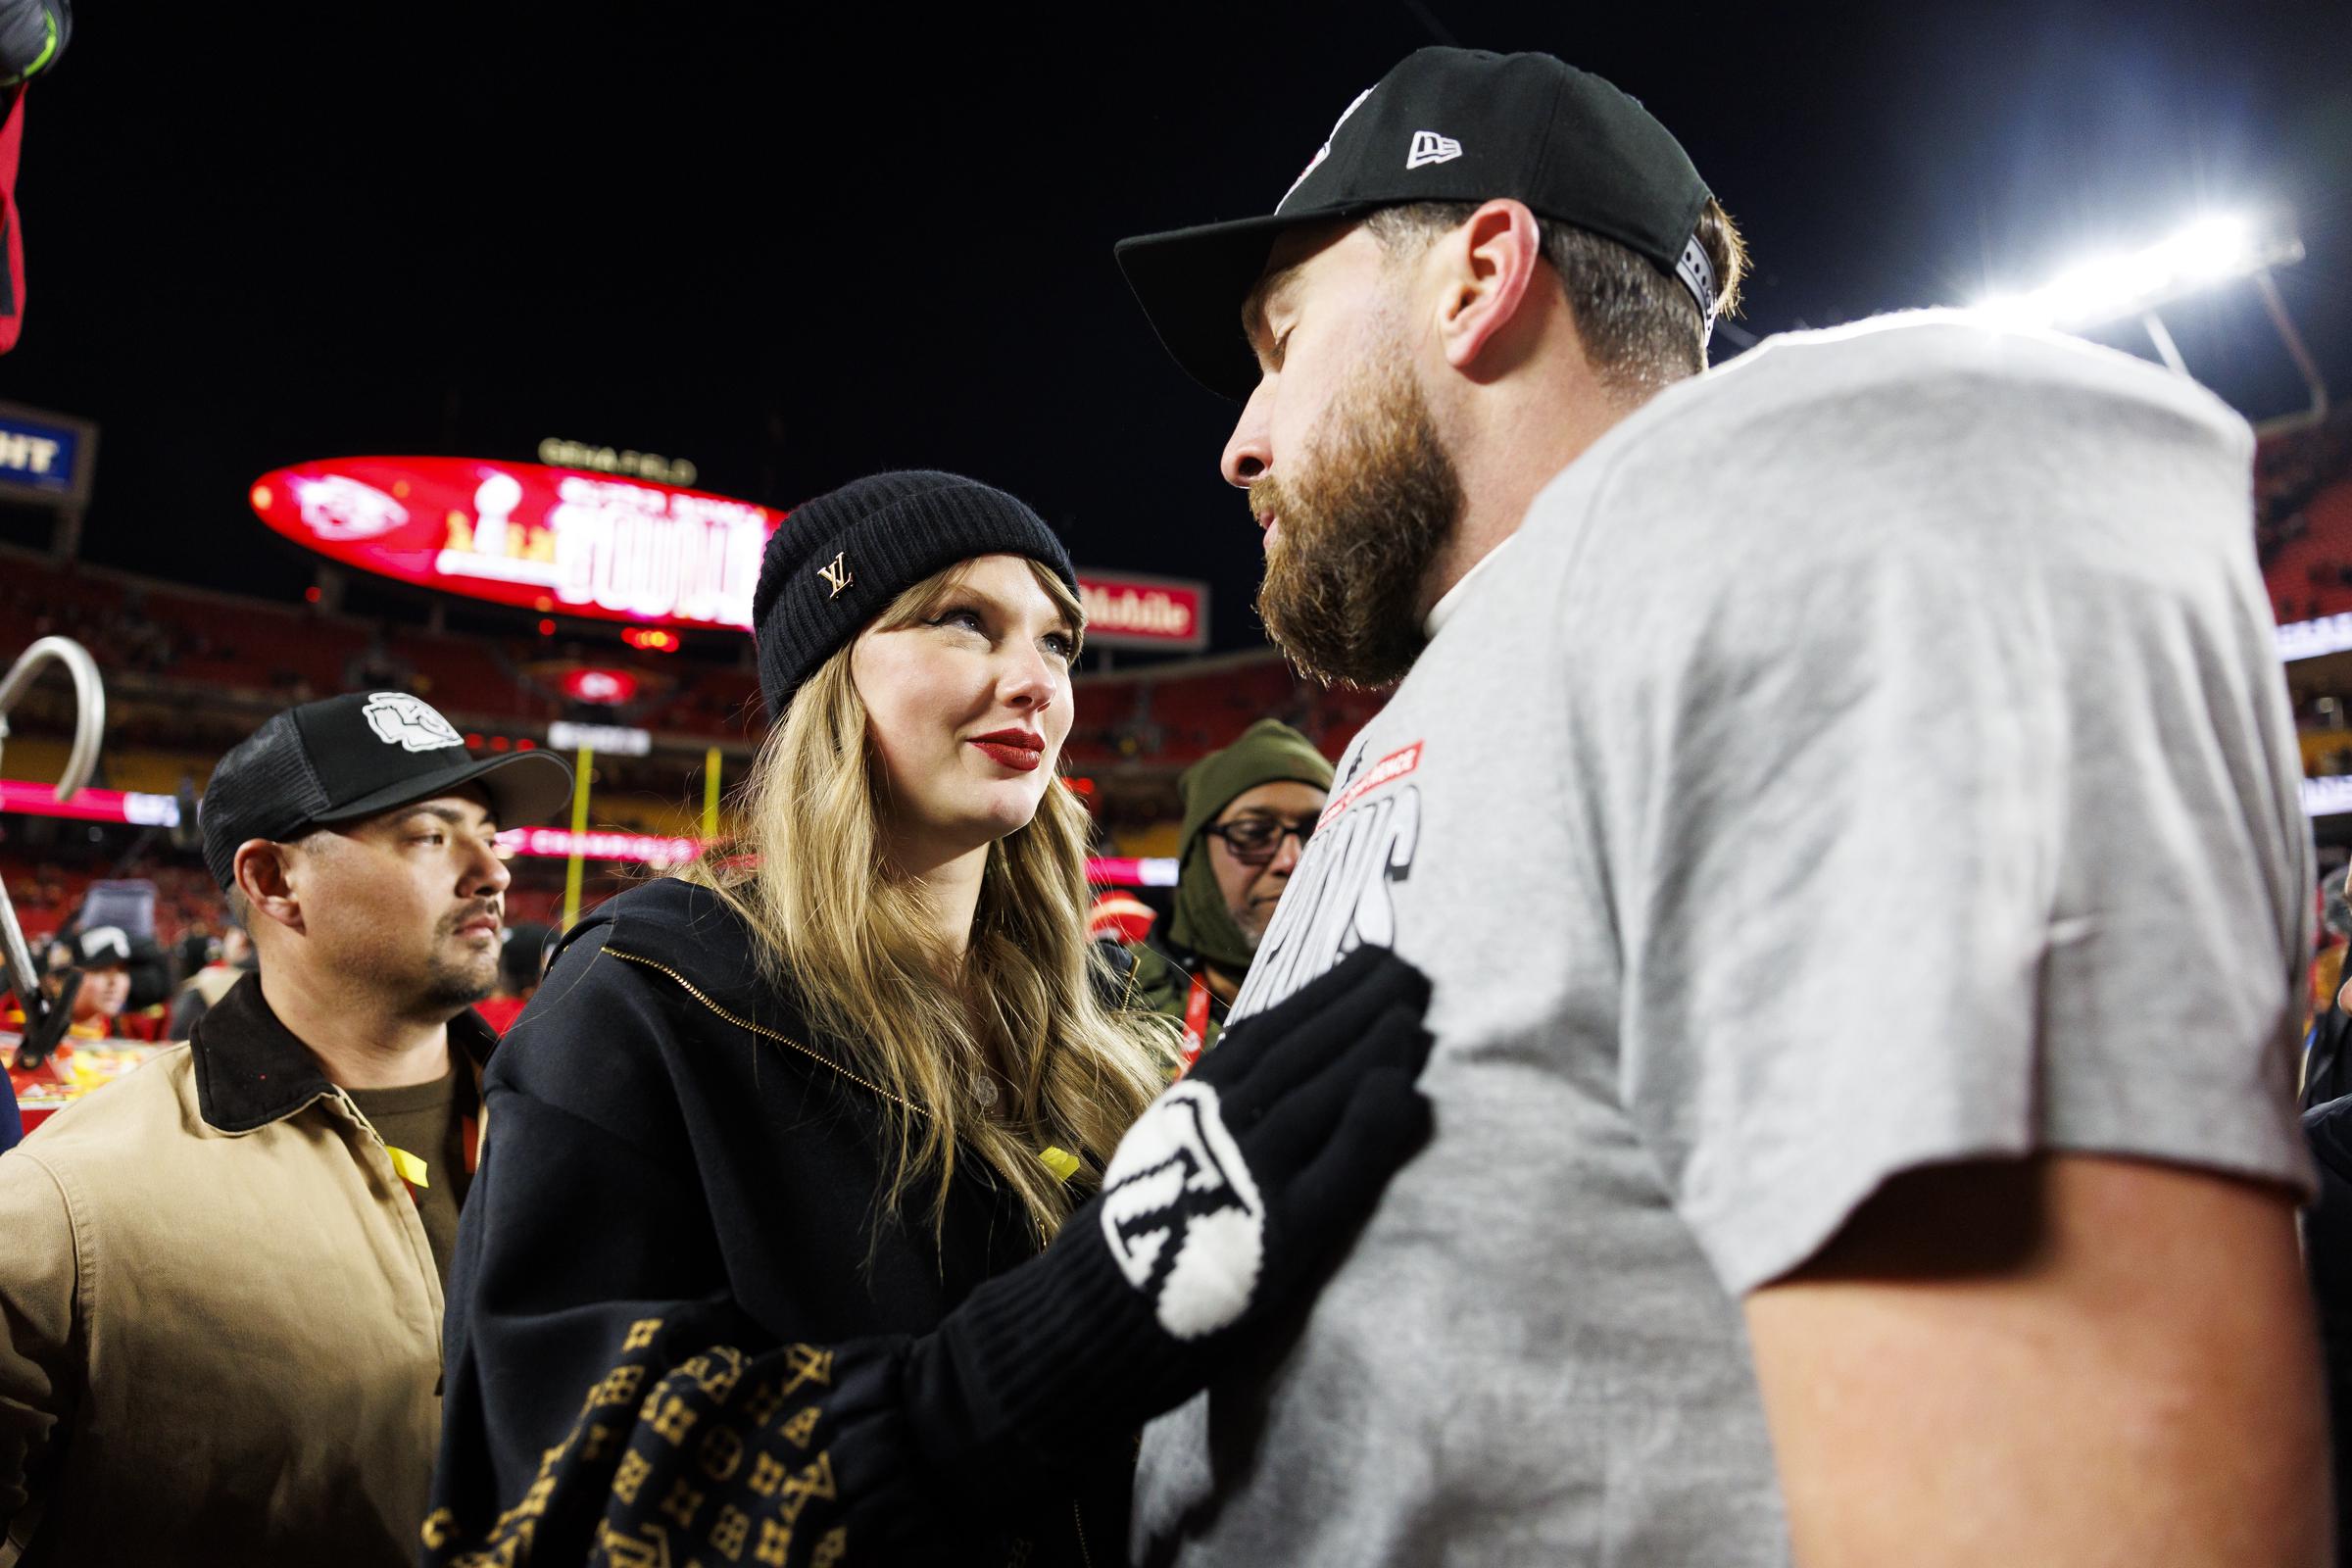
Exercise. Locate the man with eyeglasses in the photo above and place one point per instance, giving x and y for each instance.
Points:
(1247, 812)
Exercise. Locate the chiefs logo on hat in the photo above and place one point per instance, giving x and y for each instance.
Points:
(402, 721)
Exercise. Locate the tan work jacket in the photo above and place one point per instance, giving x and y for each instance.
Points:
(219, 1317)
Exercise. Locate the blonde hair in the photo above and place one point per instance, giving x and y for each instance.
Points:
(846, 937)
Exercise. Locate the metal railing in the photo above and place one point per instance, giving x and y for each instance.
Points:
(43, 1016)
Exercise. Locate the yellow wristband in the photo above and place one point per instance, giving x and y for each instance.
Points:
(1061, 1161)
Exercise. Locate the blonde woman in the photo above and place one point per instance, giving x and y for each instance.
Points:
(828, 1214)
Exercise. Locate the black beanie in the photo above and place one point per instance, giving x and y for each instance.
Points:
(839, 560)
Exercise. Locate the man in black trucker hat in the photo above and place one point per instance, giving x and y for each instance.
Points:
(220, 1281)
(1722, 700)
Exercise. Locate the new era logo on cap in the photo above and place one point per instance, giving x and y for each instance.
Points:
(409, 722)
(1431, 148)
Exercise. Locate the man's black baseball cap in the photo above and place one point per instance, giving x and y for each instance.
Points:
(102, 947)
(350, 757)
(1445, 125)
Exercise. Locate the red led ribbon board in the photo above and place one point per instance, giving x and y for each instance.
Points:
(554, 540)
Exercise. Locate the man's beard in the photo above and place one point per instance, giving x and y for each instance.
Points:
(1356, 533)
(1252, 925)
(452, 984)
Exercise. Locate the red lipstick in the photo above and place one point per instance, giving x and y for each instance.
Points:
(1020, 749)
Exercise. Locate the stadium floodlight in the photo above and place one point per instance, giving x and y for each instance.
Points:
(2218, 248)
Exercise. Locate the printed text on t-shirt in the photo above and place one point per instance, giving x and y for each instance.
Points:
(1388, 770)
(1338, 899)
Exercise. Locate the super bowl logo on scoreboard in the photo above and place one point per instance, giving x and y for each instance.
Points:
(528, 535)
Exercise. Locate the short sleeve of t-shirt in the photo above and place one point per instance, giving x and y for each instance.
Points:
(1926, 693)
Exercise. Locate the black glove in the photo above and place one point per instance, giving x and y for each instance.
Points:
(1222, 1210)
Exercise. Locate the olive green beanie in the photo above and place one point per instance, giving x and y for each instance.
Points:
(1269, 752)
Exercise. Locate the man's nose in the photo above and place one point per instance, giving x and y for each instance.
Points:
(1250, 451)
(1287, 852)
(488, 873)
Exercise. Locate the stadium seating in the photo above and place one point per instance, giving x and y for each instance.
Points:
(2303, 519)
(263, 654)
(2310, 575)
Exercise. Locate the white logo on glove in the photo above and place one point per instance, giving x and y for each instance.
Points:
(402, 721)
(1183, 1214)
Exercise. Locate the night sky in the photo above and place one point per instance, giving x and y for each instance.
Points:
(795, 251)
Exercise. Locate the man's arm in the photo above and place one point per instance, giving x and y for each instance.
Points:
(37, 1275)
(2066, 1360)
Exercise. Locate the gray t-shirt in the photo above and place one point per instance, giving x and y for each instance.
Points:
(1870, 755)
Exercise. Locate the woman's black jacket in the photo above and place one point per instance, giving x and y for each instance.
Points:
(676, 1309)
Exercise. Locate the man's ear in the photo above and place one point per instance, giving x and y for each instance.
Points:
(264, 874)
(1491, 262)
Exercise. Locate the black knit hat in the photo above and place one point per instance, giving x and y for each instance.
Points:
(839, 560)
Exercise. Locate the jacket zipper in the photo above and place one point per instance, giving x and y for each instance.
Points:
(688, 988)
(1078, 1518)
(764, 1032)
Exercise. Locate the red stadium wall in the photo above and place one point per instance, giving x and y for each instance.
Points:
(2303, 520)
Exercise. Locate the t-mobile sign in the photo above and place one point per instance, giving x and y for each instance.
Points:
(1125, 611)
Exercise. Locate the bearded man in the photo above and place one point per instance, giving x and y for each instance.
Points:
(1722, 697)
(221, 1289)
